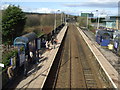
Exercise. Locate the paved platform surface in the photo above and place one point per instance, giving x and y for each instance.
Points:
(40, 72)
(108, 68)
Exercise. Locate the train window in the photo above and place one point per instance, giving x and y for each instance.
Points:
(106, 36)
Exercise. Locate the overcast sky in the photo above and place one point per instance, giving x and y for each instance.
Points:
(74, 7)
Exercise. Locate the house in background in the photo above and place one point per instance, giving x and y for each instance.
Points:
(112, 22)
(90, 15)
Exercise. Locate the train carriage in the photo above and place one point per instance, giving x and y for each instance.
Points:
(103, 37)
(28, 42)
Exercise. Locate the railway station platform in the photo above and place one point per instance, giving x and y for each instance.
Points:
(38, 76)
(109, 71)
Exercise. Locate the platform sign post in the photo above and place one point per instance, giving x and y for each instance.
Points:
(1, 48)
(118, 23)
(1, 65)
(39, 43)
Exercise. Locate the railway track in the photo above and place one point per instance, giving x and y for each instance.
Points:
(75, 68)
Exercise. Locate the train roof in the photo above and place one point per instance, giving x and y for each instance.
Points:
(25, 38)
(105, 32)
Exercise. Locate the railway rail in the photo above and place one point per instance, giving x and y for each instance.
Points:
(74, 66)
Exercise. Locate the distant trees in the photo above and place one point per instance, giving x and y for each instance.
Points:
(75, 17)
(47, 20)
(32, 20)
(42, 20)
(13, 21)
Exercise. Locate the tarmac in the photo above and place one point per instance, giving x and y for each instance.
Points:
(37, 76)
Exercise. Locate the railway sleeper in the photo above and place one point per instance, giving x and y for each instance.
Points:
(92, 87)
(85, 67)
(91, 84)
(84, 62)
(88, 77)
(87, 72)
(90, 81)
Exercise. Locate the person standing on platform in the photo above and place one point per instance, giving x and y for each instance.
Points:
(48, 44)
(10, 72)
(54, 43)
(37, 57)
(31, 56)
(26, 65)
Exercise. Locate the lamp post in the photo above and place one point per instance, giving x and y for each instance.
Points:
(61, 18)
(98, 20)
(55, 22)
(87, 20)
(65, 19)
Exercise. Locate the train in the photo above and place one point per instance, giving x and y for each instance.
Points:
(24, 44)
(30, 42)
(105, 37)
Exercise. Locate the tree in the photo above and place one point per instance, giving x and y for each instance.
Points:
(75, 18)
(82, 21)
(13, 21)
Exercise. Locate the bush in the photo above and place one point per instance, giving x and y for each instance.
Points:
(7, 55)
(47, 20)
(38, 31)
(91, 28)
(82, 21)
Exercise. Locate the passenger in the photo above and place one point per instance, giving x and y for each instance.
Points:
(54, 43)
(45, 43)
(37, 57)
(26, 66)
(48, 44)
(10, 72)
(52, 40)
(40, 53)
(115, 46)
(31, 56)
(36, 54)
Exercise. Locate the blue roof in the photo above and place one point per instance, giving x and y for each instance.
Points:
(105, 32)
(25, 38)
